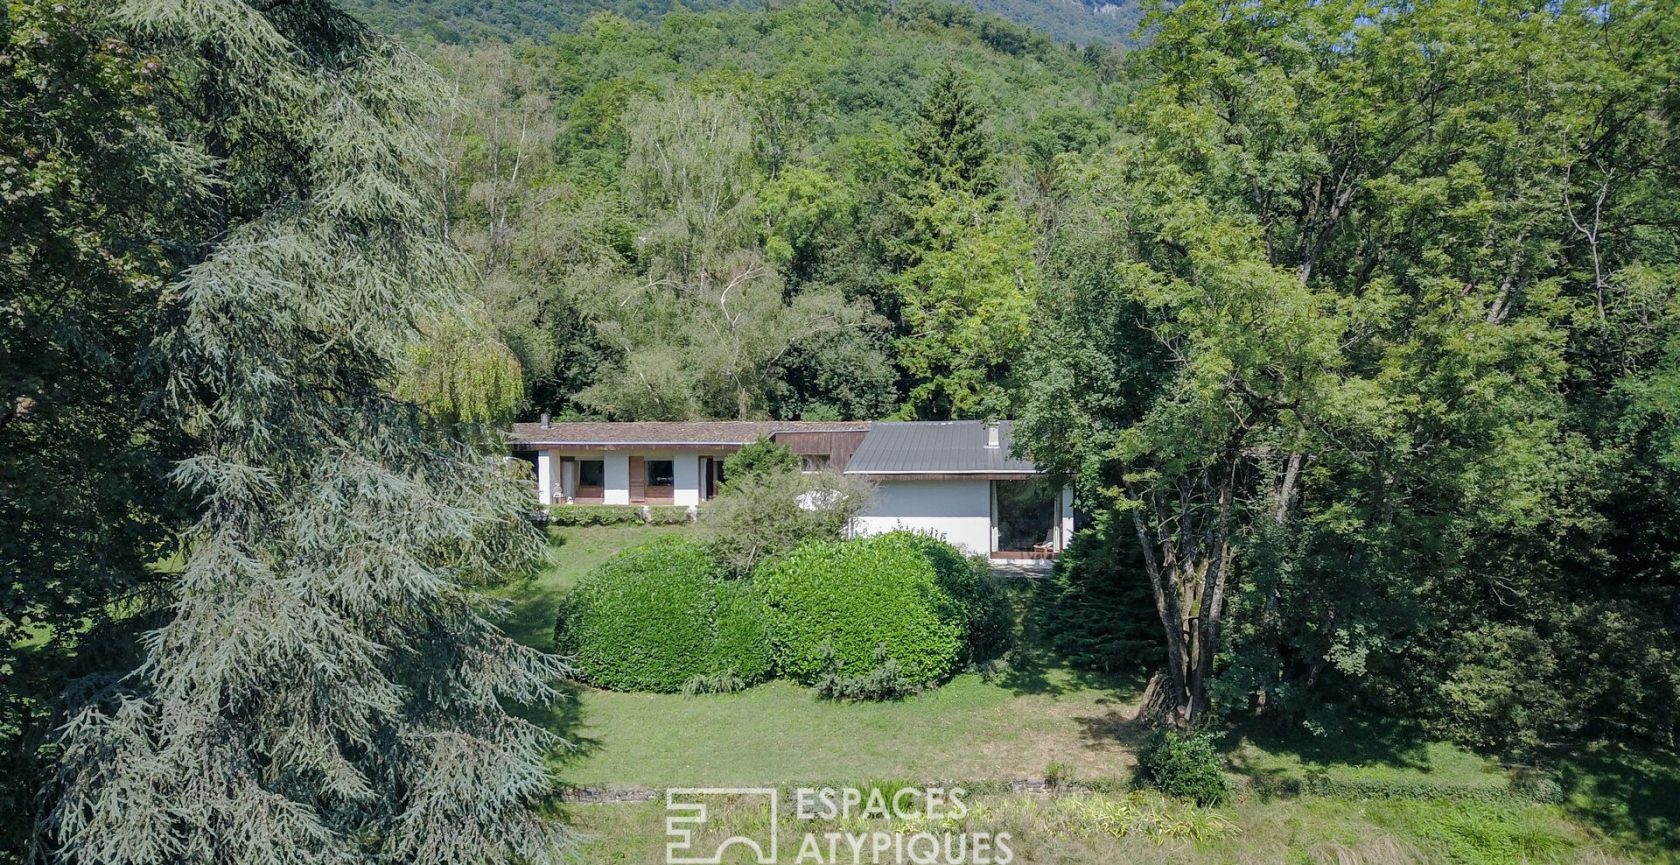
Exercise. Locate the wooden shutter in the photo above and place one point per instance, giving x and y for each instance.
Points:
(638, 479)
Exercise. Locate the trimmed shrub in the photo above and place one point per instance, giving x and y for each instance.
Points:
(969, 580)
(668, 515)
(593, 515)
(659, 617)
(840, 611)
(1185, 765)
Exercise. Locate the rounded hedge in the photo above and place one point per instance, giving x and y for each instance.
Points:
(835, 606)
(658, 616)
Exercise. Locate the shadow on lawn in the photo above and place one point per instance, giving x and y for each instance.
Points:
(1037, 667)
(1364, 742)
(1631, 793)
(564, 718)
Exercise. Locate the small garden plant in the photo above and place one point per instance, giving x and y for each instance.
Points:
(1184, 765)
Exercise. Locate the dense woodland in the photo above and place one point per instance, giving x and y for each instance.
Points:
(1357, 326)
(454, 22)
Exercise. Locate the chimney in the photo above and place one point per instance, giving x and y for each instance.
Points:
(545, 422)
(991, 434)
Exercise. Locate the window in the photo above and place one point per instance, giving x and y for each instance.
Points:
(592, 473)
(660, 473)
(813, 462)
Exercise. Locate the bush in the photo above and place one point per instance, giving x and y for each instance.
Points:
(668, 515)
(1185, 765)
(969, 580)
(841, 610)
(659, 617)
(593, 515)
(756, 458)
(885, 682)
(1097, 609)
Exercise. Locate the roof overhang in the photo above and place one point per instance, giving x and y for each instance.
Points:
(973, 475)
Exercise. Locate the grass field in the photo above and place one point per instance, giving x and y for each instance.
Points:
(1617, 805)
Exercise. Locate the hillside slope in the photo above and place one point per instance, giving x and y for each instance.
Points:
(458, 21)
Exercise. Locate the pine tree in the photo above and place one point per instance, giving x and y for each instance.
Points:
(949, 148)
(325, 685)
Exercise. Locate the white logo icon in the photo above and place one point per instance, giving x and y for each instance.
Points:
(684, 816)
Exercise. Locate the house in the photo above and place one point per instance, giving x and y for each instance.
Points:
(955, 479)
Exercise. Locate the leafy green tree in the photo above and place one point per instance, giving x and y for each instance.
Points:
(86, 185)
(1329, 329)
(968, 271)
(322, 683)
(966, 307)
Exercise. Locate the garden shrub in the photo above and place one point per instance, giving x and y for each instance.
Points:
(760, 457)
(885, 682)
(970, 581)
(843, 609)
(764, 515)
(669, 515)
(593, 515)
(1185, 765)
(657, 617)
(1096, 609)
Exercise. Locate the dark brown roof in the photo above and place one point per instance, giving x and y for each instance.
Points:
(723, 432)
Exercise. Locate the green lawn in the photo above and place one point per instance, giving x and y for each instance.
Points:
(780, 733)
(1618, 805)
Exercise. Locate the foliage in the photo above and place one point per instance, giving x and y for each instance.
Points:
(968, 276)
(762, 515)
(659, 617)
(456, 21)
(844, 609)
(460, 371)
(86, 191)
(969, 580)
(885, 681)
(760, 457)
(708, 218)
(1361, 368)
(1095, 608)
(1184, 765)
(320, 684)
(594, 515)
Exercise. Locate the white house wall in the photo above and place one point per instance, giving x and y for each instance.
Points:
(685, 479)
(958, 511)
(616, 473)
(545, 477)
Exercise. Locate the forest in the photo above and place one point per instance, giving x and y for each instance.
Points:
(1355, 325)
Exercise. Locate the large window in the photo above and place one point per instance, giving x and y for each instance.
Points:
(592, 473)
(661, 473)
(1025, 514)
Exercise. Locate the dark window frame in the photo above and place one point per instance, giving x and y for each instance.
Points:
(670, 473)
